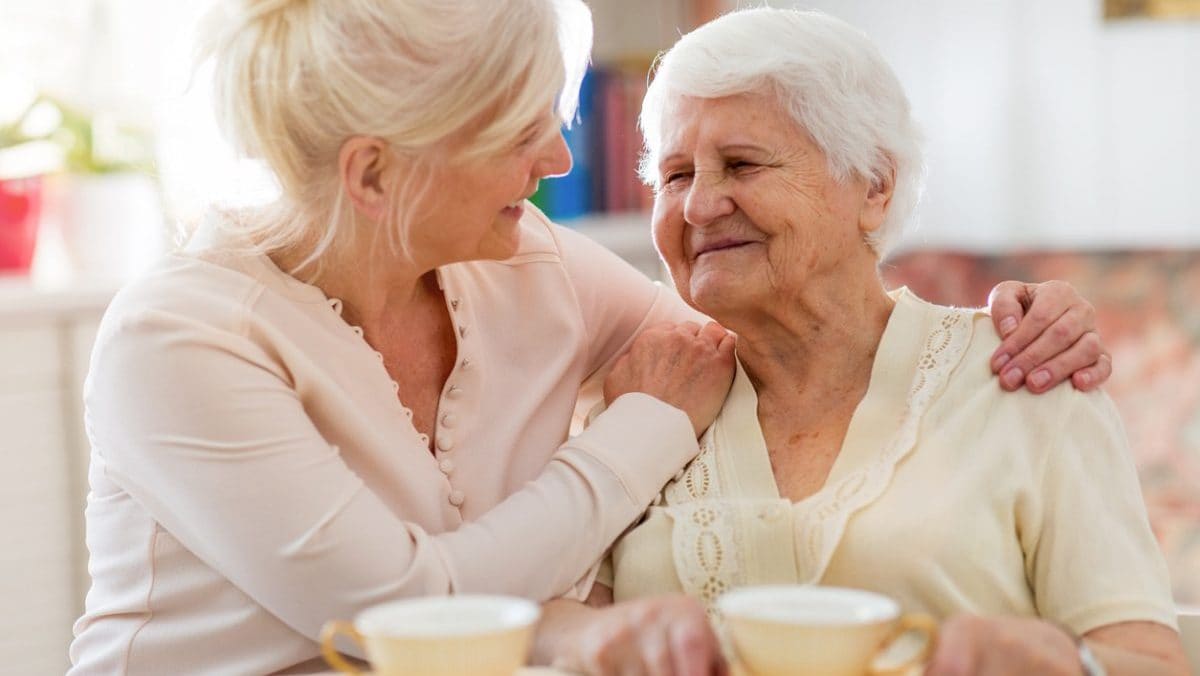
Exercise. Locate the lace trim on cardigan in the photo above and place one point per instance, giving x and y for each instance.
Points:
(707, 549)
(823, 520)
(706, 540)
(700, 481)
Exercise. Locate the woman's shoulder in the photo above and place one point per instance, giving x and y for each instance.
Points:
(965, 335)
(185, 285)
(594, 275)
(158, 320)
(186, 298)
(972, 389)
(932, 315)
(543, 239)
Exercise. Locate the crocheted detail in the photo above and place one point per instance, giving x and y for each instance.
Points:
(700, 481)
(707, 549)
(706, 540)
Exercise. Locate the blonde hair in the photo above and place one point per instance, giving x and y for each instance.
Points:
(294, 79)
(827, 74)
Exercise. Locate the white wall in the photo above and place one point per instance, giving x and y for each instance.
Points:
(1045, 125)
(133, 56)
(635, 28)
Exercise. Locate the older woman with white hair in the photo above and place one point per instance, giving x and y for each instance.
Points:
(863, 443)
(363, 391)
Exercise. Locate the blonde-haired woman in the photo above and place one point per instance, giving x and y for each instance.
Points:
(363, 392)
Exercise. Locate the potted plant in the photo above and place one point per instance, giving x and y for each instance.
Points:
(103, 197)
(24, 160)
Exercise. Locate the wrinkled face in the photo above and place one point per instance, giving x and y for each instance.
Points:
(472, 207)
(747, 213)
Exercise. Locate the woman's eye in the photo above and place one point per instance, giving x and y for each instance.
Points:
(530, 135)
(742, 166)
(675, 177)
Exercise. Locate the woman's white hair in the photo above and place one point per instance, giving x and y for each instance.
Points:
(827, 75)
(294, 79)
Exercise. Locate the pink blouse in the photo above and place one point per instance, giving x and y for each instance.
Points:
(255, 472)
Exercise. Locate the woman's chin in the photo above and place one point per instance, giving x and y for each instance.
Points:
(502, 245)
(718, 293)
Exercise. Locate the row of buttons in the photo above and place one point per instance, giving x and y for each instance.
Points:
(445, 442)
(447, 421)
(772, 513)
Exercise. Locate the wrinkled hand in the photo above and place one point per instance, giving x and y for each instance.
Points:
(658, 636)
(995, 646)
(684, 365)
(1049, 334)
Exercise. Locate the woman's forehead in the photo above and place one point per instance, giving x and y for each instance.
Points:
(743, 120)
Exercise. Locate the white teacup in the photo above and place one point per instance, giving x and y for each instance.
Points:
(439, 636)
(830, 631)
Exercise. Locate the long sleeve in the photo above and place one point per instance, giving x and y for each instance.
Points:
(617, 302)
(256, 471)
(203, 429)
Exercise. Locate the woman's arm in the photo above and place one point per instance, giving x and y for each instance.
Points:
(1138, 648)
(1049, 330)
(1090, 558)
(996, 646)
(203, 429)
(658, 635)
(616, 303)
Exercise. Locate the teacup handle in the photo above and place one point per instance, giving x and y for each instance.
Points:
(911, 622)
(330, 632)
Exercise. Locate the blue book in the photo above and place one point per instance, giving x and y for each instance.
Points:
(570, 196)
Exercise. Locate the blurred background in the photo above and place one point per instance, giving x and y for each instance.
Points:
(1062, 140)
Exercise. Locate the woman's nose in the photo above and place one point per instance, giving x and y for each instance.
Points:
(556, 157)
(708, 199)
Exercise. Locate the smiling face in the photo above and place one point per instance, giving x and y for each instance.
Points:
(747, 213)
(473, 204)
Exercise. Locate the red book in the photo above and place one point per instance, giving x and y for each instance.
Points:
(613, 107)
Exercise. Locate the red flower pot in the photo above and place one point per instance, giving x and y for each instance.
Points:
(20, 207)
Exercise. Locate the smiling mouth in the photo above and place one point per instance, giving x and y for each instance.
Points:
(724, 246)
(514, 210)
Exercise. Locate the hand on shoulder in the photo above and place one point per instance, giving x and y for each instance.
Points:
(685, 365)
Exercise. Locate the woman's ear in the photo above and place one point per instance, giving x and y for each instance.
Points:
(362, 164)
(879, 198)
